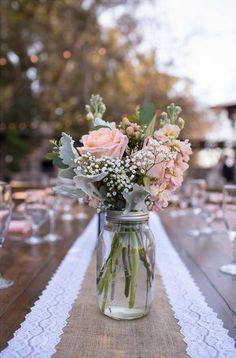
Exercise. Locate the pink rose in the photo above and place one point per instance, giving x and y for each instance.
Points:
(169, 131)
(104, 142)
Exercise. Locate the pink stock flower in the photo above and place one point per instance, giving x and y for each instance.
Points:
(186, 150)
(160, 196)
(104, 142)
(169, 131)
(157, 170)
(174, 177)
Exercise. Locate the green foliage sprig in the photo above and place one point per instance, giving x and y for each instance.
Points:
(171, 116)
(96, 108)
(54, 154)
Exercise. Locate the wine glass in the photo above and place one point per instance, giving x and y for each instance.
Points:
(81, 215)
(67, 204)
(197, 200)
(53, 203)
(5, 217)
(229, 215)
(36, 208)
(184, 199)
(175, 201)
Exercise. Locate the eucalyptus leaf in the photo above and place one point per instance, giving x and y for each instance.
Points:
(147, 113)
(100, 123)
(135, 199)
(66, 175)
(68, 190)
(67, 152)
(85, 182)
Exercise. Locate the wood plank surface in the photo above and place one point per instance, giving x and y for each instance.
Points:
(31, 267)
(203, 256)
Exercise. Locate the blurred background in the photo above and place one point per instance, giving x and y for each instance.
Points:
(56, 53)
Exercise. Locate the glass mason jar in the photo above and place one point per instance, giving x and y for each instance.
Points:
(125, 266)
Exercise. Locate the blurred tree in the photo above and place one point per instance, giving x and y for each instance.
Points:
(56, 53)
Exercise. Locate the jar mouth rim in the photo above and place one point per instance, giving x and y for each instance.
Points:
(132, 216)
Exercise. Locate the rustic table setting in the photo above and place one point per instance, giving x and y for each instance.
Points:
(81, 330)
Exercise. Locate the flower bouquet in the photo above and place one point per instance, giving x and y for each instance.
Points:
(126, 169)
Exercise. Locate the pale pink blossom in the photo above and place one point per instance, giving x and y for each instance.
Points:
(169, 131)
(160, 196)
(104, 142)
(174, 177)
(186, 150)
(93, 202)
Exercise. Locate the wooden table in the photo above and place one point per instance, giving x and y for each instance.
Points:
(31, 267)
(203, 256)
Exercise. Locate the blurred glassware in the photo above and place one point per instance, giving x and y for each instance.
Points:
(67, 203)
(184, 199)
(197, 200)
(5, 217)
(174, 201)
(81, 215)
(36, 208)
(229, 215)
(208, 216)
(53, 203)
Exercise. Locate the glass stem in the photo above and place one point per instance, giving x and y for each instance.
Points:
(234, 251)
(198, 221)
(1, 242)
(34, 230)
(52, 223)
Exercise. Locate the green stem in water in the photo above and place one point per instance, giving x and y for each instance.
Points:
(126, 271)
(113, 280)
(113, 257)
(134, 272)
(113, 246)
(106, 286)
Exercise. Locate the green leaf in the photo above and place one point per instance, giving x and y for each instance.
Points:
(146, 181)
(103, 191)
(58, 163)
(132, 118)
(100, 126)
(52, 155)
(147, 112)
(151, 127)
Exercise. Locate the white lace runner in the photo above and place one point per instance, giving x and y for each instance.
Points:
(203, 332)
(40, 332)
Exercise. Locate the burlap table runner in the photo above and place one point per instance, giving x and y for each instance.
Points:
(89, 334)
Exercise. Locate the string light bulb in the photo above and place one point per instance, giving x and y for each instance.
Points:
(3, 61)
(66, 54)
(34, 59)
(102, 51)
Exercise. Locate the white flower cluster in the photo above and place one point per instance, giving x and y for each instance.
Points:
(121, 173)
(154, 153)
